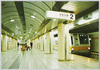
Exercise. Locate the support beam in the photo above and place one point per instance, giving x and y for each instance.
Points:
(89, 10)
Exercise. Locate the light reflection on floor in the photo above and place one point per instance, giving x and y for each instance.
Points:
(36, 59)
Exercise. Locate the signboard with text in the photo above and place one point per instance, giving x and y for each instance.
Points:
(60, 15)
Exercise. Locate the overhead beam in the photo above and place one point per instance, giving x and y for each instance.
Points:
(92, 27)
(87, 11)
(20, 9)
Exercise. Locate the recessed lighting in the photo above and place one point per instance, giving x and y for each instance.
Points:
(12, 34)
(12, 20)
(32, 16)
(21, 37)
(54, 19)
(35, 32)
(16, 26)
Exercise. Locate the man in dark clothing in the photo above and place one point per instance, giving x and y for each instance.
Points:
(18, 45)
(31, 44)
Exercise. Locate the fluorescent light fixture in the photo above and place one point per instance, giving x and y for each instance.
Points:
(21, 37)
(12, 20)
(16, 26)
(12, 34)
(35, 32)
(89, 48)
(89, 38)
(54, 19)
(32, 16)
(72, 48)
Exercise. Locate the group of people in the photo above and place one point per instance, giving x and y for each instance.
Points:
(26, 46)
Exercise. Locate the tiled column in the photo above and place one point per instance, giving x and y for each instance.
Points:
(48, 48)
(68, 40)
(37, 43)
(4, 43)
(44, 40)
(61, 41)
(39, 40)
(42, 47)
(33, 43)
(51, 37)
(16, 43)
(12, 43)
(8, 43)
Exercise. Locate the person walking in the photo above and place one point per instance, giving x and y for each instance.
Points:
(31, 44)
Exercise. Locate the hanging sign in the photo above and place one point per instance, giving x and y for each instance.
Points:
(60, 15)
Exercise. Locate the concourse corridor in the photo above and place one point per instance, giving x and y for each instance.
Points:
(36, 59)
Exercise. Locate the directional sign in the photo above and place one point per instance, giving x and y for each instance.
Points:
(60, 15)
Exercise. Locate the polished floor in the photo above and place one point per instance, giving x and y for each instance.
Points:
(37, 59)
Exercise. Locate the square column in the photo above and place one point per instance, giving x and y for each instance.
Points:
(33, 43)
(36, 43)
(4, 43)
(8, 43)
(61, 41)
(68, 40)
(44, 41)
(51, 37)
(12, 43)
(42, 47)
(48, 48)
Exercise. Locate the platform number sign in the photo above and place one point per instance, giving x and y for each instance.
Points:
(71, 16)
(60, 15)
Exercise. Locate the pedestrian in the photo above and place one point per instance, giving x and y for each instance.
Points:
(31, 44)
(18, 45)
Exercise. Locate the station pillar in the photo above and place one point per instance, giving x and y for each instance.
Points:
(33, 43)
(61, 41)
(68, 40)
(12, 43)
(8, 43)
(48, 48)
(36, 43)
(16, 43)
(51, 37)
(44, 42)
(39, 40)
(42, 47)
(4, 43)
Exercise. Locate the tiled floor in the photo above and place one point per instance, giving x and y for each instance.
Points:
(37, 59)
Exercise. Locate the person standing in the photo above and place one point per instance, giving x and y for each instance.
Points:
(18, 45)
(31, 44)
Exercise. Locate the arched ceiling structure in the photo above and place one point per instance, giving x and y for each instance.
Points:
(25, 18)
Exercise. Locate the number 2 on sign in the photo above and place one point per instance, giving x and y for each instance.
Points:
(71, 16)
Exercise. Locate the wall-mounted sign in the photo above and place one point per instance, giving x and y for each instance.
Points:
(60, 15)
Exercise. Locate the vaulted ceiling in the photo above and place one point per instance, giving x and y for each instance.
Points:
(26, 19)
